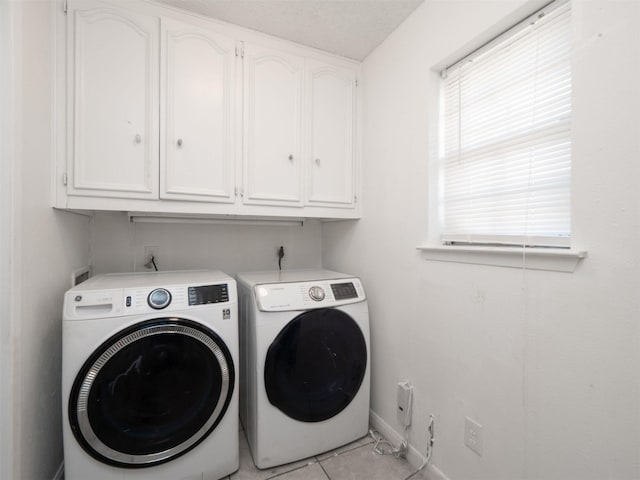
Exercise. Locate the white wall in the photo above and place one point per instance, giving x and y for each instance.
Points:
(117, 245)
(547, 362)
(45, 246)
(6, 219)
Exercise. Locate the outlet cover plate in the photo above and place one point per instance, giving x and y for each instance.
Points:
(473, 435)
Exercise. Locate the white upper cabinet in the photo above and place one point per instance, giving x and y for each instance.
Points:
(198, 97)
(171, 113)
(331, 118)
(113, 92)
(272, 127)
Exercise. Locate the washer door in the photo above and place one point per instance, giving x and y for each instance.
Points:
(151, 393)
(316, 364)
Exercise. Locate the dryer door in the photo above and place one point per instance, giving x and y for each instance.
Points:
(151, 393)
(316, 364)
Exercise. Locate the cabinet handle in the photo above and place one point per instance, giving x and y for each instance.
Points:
(318, 161)
(179, 142)
(290, 156)
(138, 138)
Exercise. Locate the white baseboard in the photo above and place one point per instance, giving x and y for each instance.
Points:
(414, 456)
(60, 473)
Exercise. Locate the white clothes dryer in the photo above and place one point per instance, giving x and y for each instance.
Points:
(149, 377)
(304, 343)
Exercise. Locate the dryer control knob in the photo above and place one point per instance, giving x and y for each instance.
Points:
(316, 293)
(159, 298)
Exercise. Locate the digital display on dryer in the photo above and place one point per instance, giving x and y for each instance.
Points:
(344, 291)
(206, 294)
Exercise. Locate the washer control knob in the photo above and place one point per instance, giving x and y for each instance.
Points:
(316, 293)
(159, 298)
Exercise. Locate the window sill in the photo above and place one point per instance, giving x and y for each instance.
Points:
(556, 260)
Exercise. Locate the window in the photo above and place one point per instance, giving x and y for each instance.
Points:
(506, 139)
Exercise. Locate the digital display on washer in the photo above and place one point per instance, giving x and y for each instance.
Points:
(344, 291)
(205, 294)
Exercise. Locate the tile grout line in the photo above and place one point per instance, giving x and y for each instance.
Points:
(343, 452)
(325, 472)
(280, 474)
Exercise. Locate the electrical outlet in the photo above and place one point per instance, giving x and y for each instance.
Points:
(150, 251)
(473, 435)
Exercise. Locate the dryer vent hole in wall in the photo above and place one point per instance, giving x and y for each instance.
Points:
(80, 275)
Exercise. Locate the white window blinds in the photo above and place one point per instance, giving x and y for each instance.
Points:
(506, 156)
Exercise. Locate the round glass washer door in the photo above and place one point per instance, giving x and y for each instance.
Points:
(316, 364)
(151, 393)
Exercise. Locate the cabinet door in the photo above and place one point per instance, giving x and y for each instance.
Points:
(272, 127)
(114, 102)
(331, 131)
(198, 99)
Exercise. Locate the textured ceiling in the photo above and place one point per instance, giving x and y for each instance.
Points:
(351, 28)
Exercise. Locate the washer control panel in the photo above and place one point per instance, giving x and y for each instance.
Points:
(276, 297)
(128, 301)
(158, 293)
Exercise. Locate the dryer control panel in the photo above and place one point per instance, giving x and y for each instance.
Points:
(279, 297)
(344, 291)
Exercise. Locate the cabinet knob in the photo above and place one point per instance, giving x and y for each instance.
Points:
(179, 142)
(138, 138)
(290, 156)
(318, 161)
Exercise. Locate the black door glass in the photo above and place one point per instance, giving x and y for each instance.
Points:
(154, 393)
(316, 364)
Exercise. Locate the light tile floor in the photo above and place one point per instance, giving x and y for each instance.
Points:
(356, 461)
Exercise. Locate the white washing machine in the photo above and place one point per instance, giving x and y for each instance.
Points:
(304, 343)
(149, 377)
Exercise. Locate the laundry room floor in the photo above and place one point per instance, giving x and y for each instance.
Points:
(355, 461)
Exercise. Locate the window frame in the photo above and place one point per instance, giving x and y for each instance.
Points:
(527, 254)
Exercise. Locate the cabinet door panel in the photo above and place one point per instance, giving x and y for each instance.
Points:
(273, 163)
(115, 97)
(197, 156)
(331, 135)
